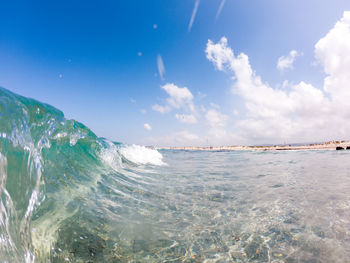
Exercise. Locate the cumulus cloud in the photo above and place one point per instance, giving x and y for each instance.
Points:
(286, 62)
(333, 52)
(271, 113)
(219, 54)
(217, 122)
(193, 16)
(186, 118)
(160, 65)
(216, 119)
(147, 127)
(179, 99)
(292, 112)
(300, 112)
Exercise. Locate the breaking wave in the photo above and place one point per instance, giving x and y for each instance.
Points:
(142, 155)
(60, 184)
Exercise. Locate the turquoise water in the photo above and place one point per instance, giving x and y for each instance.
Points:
(68, 196)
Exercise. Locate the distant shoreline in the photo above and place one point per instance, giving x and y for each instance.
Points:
(331, 145)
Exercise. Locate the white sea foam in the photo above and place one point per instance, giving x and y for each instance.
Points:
(142, 155)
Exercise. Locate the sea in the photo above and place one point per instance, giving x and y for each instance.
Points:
(67, 195)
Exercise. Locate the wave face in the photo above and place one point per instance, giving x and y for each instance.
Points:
(61, 186)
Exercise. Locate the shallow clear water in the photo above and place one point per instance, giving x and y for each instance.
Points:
(246, 207)
(68, 196)
(220, 207)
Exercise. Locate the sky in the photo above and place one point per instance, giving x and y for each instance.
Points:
(185, 72)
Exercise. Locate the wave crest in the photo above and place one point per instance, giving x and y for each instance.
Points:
(142, 155)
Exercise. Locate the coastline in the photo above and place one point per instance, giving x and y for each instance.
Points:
(331, 145)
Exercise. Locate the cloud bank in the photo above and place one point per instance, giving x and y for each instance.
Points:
(302, 113)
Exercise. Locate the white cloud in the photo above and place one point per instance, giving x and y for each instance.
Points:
(147, 127)
(143, 111)
(301, 113)
(217, 132)
(178, 96)
(186, 118)
(160, 65)
(333, 52)
(216, 119)
(269, 111)
(221, 6)
(286, 62)
(293, 112)
(179, 99)
(220, 54)
(161, 109)
(193, 16)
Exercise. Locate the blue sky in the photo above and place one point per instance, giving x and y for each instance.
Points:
(97, 62)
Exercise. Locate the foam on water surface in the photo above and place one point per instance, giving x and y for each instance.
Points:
(142, 155)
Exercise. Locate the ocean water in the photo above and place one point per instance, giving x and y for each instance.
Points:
(68, 196)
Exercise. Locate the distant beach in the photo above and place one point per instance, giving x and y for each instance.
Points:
(330, 145)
